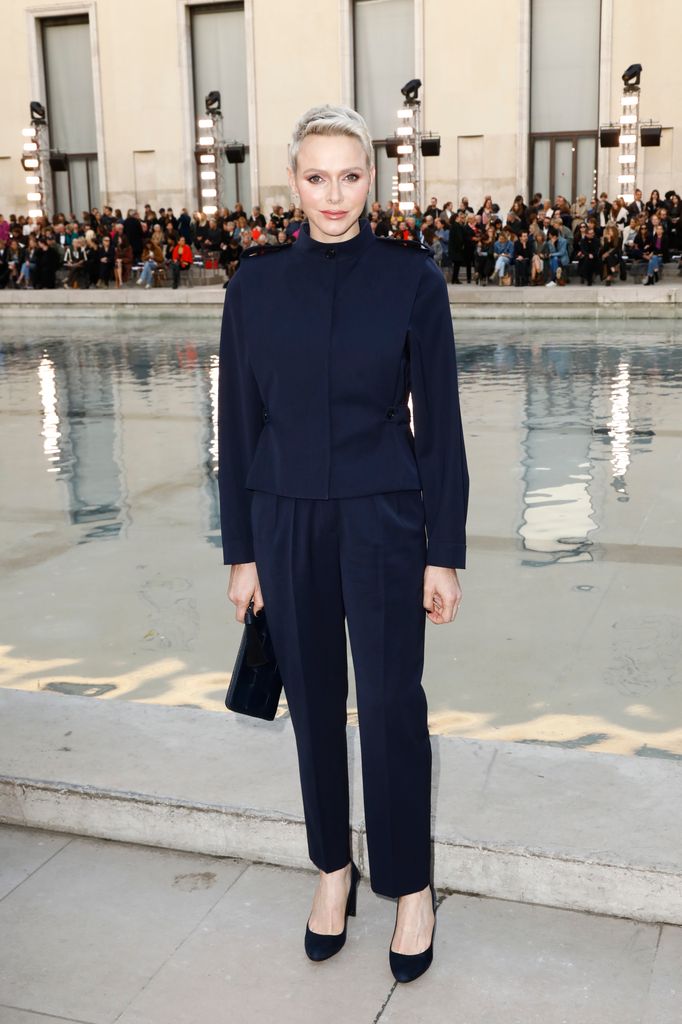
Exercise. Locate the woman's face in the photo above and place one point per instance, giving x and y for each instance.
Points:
(332, 175)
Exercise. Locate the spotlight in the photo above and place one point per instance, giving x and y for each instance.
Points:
(411, 89)
(631, 74)
(213, 102)
(37, 112)
(609, 138)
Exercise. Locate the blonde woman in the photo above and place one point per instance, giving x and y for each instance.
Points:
(325, 498)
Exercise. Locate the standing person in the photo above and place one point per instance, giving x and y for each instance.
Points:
(456, 246)
(325, 494)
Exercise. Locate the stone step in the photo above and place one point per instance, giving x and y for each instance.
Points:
(536, 824)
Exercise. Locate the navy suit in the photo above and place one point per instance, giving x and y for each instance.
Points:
(325, 486)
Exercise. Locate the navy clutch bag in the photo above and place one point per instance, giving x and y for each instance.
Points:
(256, 684)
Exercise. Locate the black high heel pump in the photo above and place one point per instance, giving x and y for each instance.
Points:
(408, 966)
(320, 946)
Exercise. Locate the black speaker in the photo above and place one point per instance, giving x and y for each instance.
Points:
(59, 162)
(430, 145)
(608, 138)
(650, 135)
(392, 148)
(235, 153)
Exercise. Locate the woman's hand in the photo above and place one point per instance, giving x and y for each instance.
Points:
(243, 585)
(442, 593)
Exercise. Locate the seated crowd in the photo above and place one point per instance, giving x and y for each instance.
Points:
(105, 247)
(539, 243)
(533, 244)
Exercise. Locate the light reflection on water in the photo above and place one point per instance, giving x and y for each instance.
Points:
(575, 402)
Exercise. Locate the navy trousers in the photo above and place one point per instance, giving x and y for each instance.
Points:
(321, 562)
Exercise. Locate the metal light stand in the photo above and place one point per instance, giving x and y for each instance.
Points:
(628, 139)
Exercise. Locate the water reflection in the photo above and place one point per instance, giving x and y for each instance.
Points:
(576, 400)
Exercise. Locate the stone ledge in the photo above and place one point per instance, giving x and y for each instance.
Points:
(563, 828)
(621, 301)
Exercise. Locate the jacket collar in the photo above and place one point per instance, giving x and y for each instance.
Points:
(352, 247)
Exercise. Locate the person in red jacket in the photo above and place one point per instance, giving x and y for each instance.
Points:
(182, 257)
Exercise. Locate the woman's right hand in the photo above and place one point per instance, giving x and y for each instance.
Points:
(243, 585)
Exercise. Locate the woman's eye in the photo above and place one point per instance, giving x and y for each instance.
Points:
(312, 177)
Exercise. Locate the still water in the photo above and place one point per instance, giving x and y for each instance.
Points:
(570, 629)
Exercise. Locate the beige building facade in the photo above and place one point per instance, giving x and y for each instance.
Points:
(516, 90)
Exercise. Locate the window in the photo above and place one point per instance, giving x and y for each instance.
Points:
(383, 33)
(564, 112)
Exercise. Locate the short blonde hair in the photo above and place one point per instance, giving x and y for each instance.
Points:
(331, 120)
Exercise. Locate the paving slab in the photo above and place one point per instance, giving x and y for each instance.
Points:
(519, 964)
(541, 824)
(664, 1004)
(84, 933)
(111, 932)
(246, 961)
(9, 1015)
(19, 859)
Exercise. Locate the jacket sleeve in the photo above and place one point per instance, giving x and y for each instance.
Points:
(239, 425)
(438, 434)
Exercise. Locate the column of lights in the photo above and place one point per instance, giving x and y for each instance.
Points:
(406, 182)
(207, 141)
(629, 132)
(32, 165)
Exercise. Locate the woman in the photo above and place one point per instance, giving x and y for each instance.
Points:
(654, 202)
(152, 259)
(324, 496)
(557, 255)
(485, 256)
(611, 253)
(503, 251)
(656, 252)
(123, 259)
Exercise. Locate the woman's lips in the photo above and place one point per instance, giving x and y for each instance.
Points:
(334, 214)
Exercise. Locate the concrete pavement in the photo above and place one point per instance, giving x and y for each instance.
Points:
(96, 932)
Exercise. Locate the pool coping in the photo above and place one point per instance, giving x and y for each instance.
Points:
(621, 301)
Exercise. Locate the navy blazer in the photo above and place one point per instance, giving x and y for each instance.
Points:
(322, 344)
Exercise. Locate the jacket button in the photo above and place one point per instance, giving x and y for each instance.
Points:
(330, 254)
(390, 413)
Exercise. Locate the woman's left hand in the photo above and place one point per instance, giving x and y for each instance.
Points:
(442, 593)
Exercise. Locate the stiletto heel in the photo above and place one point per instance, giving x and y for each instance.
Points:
(320, 946)
(408, 966)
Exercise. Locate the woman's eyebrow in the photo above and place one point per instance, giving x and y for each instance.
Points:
(308, 171)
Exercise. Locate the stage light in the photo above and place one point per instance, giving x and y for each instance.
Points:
(631, 74)
(37, 112)
(411, 89)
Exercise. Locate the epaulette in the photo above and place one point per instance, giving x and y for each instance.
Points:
(258, 250)
(407, 243)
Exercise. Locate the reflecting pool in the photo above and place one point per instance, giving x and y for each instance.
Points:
(570, 629)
